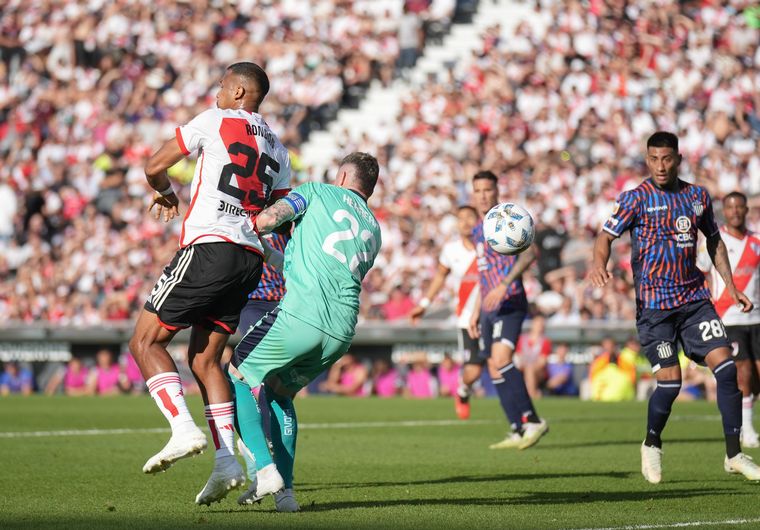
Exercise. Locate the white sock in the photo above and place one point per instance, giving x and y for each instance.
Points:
(747, 414)
(220, 418)
(166, 391)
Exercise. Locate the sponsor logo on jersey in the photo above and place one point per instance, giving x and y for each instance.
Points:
(664, 350)
(660, 208)
(685, 238)
(683, 224)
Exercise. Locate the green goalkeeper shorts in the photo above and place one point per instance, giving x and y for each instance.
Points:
(281, 344)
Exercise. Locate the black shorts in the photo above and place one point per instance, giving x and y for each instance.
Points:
(205, 284)
(254, 311)
(745, 341)
(468, 347)
(695, 326)
(503, 325)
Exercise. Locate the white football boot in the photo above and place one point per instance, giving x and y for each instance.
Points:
(268, 481)
(181, 445)
(742, 464)
(651, 463)
(226, 476)
(285, 501)
(749, 439)
(532, 433)
(512, 441)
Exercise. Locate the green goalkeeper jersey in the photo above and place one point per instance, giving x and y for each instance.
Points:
(335, 242)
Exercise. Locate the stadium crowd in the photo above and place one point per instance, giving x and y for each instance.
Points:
(557, 109)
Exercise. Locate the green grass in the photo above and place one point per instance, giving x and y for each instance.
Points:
(585, 473)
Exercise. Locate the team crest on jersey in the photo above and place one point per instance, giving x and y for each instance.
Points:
(683, 224)
(664, 350)
(698, 208)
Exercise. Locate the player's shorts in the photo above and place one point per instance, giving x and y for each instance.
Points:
(503, 325)
(696, 326)
(205, 284)
(283, 345)
(745, 341)
(469, 348)
(254, 311)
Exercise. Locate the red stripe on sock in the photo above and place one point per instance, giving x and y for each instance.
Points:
(168, 403)
(164, 380)
(214, 435)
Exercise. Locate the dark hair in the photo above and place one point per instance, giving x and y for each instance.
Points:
(467, 207)
(735, 195)
(367, 170)
(663, 139)
(252, 72)
(487, 175)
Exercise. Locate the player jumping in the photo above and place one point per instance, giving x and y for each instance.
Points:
(497, 320)
(242, 166)
(663, 215)
(458, 259)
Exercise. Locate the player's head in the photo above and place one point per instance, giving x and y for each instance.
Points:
(467, 218)
(735, 209)
(358, 171)
(485, 191)
(243, 86)
(663, 158)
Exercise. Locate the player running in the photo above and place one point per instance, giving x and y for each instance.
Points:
(334, 245)
(458, 260)
(242, 167)
(663, 215)
(743, 329)
(497, 320)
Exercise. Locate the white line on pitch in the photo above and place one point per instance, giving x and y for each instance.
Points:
(688, 524)
(347, 425)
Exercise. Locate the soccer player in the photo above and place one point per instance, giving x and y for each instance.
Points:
(458, 259)
(743, 329)
(663, 215)
(242, 168)
(334, 244)
(497, 320)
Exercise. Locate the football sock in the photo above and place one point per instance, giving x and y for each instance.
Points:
(464, 391)
(729, 404)
(250, 424)
(284, 429)
(519, 393)
(512, 412)
(660, 405)
(166, 391)
(221, 418)
(747, 403)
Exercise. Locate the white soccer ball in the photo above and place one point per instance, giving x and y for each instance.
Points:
(508, 228)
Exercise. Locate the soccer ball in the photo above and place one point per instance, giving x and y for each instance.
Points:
(508, 228)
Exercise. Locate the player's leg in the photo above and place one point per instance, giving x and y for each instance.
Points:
(470, 373)
(284, 433)
(704, 339)
(148, 346)
(657, 334)
(741, 346)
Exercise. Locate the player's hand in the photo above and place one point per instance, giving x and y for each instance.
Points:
(741, 300)
(473, 329)
(493, 300)
(168, 205)
(599, 276)
(416, 314)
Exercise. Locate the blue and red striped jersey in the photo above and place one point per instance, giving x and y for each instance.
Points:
(493, 267)
(272, 284)
(663, 226)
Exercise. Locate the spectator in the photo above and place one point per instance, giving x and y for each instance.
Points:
(448, 376)
(385, 379)
(420, 383)
(610, 377)
(559, 373)
(107, 378)
(532, 352)
(347, 377)
(74, 378)
(16, 380)
(398, 306)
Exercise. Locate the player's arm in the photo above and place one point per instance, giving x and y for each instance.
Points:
(473, 330)
(496, 296)
(435, 287)
(719, 256)
(599, 275)
(164, 199)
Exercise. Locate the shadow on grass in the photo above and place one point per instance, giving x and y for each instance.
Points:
(550, 444)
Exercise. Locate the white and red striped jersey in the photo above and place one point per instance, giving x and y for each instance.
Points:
(463, 264)
(744, 256)
(242, 167)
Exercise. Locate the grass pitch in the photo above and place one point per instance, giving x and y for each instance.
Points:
(375, 463)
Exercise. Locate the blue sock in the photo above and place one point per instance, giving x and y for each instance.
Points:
(660, 405)
(512, 413)
(729, 404)
(284, 433)
(250, 424)
(519, 393)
